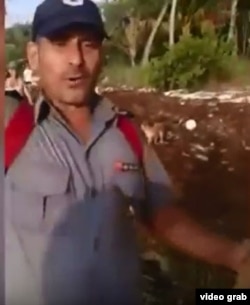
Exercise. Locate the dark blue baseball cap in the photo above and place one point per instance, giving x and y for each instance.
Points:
(53, 15)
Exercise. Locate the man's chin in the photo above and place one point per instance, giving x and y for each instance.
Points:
(76, 100)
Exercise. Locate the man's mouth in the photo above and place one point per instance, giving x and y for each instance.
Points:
(76, 81)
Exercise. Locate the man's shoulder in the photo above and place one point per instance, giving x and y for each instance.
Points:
(36, 150)
(120, 111)
(35, 162)
(123, 112)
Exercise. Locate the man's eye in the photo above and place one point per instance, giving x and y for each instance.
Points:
(59, 43)
(89, 44)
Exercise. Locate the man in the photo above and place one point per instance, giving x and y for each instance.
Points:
(70, 236)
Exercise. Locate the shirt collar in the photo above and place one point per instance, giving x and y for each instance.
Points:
(103, 109)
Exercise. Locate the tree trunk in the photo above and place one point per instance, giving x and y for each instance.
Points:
(132, 61)
(243, 31)
(172, 23)
(132, 55)
(233, 15)
(148, 46)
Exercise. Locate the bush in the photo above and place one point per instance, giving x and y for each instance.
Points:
(121, 74)
(192, 62)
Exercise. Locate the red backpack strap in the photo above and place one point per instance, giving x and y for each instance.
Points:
(132, 136)
(17, 132)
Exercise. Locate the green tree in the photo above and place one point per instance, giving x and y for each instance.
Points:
(137, 22)
(16, 38)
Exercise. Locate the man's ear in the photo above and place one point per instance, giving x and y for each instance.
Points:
(32, 56)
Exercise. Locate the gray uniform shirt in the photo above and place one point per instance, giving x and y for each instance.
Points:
(70, 235)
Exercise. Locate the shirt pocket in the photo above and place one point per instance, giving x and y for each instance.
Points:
(40, 197)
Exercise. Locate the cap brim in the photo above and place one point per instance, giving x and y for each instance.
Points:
(58, 24)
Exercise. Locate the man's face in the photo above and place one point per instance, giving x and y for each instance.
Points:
(68, 63)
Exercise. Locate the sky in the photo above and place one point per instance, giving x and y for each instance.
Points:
(20, 11)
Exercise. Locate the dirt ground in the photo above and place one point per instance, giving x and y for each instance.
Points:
(209, 166)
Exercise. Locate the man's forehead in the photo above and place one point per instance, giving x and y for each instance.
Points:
(75, 30)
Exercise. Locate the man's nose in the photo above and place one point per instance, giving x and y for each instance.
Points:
(75, 54)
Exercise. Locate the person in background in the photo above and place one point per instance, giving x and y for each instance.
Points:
(27, 76)
(13, 82)
(14, 85)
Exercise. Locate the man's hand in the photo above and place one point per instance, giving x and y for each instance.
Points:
(243, 277)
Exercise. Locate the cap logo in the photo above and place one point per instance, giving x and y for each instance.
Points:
(73, 2)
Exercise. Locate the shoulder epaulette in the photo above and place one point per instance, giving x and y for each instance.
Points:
(123, 112)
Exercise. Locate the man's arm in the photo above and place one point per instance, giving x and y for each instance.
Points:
(176, 228)
(173, 225)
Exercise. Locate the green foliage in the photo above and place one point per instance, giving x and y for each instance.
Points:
(191, 62)
(130, 23)
(16, 39)
(121, 74)
(115, 10)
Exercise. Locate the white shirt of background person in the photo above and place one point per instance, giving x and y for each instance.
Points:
(27, 75)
